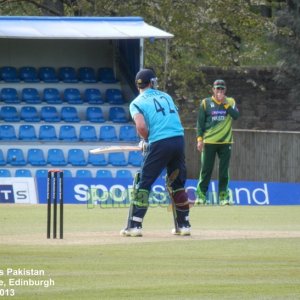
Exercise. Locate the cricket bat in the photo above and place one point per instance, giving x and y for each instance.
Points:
(109, 149)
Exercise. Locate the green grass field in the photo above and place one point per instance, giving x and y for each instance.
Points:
(233, 253)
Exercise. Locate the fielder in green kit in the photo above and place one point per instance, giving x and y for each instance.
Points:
(214, 137)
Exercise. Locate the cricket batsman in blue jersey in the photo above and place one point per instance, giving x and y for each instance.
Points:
(158, 124)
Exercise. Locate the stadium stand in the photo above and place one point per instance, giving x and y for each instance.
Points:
(52, 96)
(83, 173)
(41, 173)
(31, 96)
(106, 75)
(56, 157)
(5, 173)
(69, 114)
(35, 157)
(117, 115)
(87, 75)
(123, 174)
(135, 158)
(49, 114)
(2, 159)
(95, 114)
(67, 133)
(27, 133)
(15, 157)
(87, 133)
(7, 133)
(9, 114)
(47, 133)
(114, 96)
(117, 159)
(97, 159)
(93, 96)
(10, 95)
(48, 74)
(108, 133)
(67, 74)
(28, 74)
(104, 174)
(29, 114)
(9, 74)
(23, 173)
(76, 157)
(128, 133)
(72, 96)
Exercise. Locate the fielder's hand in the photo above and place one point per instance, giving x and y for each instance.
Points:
(200, 145)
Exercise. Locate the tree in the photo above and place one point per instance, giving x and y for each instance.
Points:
(287, 36)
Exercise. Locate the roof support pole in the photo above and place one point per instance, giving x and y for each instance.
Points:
(141, 53)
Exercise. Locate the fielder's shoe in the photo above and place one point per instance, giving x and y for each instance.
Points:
(201, 198)
(224, 202)
(134, 232)
(182, 231)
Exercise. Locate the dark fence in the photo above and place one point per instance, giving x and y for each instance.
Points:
(272, 156)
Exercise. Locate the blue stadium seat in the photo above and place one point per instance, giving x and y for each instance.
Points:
(87, 133)
(87, 74)
(69, 114)
(117, 115)
(97, 159)
(47, 133)
(106, 75)
(76, 157)
(27, 133)
(49, 114)
(36, 157)
(15, 157)
(9, 114)
(52, 96)
(135, 158)
(67, 173)
(23, 173)
(114, 96)
(72, 96)
(5, 173)
(94, 114)
(93, 96)
(117, 159)
(7, 133)
(108, 133)
(82, 173)
(48, 74)
(10, 95)
(67, 133)
(128, 133)
(2, 159)
(41, 173)
(31, 96)
(123, 174)
(9, 74)
(104, 174)
(56, 157)
(67, 74)
(29, 114)
(28, 74)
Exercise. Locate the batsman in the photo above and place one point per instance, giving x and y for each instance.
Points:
(214, 137)
(158, 124)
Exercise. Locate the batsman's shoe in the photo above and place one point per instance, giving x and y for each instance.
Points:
(133, 232)
(183, 231)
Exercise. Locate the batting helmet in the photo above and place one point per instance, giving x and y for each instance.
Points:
(144, 77)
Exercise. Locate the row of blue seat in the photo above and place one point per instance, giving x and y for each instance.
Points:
(67, 113)
(81, 173)
(68, 95)
(75, 157)
(50, 74)
(87, 133)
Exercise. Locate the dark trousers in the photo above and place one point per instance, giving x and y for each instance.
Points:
(207, 164)
(166, 153)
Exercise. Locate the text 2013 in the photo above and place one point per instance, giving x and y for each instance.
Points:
(7, 292)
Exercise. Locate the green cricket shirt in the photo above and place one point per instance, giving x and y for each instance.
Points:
(214, 124)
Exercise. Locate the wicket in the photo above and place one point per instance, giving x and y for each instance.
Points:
(55, 181)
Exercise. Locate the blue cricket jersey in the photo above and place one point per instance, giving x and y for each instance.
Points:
(160, 113)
